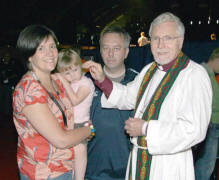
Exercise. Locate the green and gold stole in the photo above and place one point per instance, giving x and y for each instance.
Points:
(144, 159)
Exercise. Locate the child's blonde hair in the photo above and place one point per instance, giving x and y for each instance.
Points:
(67, 58)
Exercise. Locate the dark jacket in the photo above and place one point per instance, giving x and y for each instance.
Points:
(108, 151)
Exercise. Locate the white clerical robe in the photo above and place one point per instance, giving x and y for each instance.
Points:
(183, 120)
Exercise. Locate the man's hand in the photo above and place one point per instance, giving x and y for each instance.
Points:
(95, 69)
(133, 126)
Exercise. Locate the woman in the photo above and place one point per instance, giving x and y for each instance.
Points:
(43, 112)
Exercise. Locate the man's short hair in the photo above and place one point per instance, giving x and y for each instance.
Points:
(142, 34)
(116, 29)
(168, 17)
(214, 55)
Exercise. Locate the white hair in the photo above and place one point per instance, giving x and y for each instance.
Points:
(168, 17)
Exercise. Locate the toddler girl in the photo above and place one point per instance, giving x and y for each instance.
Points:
(80, 90)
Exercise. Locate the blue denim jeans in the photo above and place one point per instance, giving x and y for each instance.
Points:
(207, 154)
(66, 176)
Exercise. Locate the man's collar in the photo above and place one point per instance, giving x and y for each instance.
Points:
(166, 67)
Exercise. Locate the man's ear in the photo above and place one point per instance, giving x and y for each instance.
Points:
(181, 39)
(126, 53)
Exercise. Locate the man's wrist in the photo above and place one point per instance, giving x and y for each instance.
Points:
(106, 86)
(144, 128)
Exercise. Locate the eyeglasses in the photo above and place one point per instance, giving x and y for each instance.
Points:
(165, 39)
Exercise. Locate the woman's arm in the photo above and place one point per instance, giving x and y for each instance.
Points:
(44, 122)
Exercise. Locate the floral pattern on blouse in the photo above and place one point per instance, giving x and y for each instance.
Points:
(36, 157)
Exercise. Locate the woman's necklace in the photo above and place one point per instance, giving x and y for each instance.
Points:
(52, 97)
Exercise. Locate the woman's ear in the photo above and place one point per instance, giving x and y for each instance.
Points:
(30, 59)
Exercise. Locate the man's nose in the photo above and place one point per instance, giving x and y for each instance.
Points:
(111, 52)
(161, 43)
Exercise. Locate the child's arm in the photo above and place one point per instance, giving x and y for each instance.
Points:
(80, 95)
(76, 97)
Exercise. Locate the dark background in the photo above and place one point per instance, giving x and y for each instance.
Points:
(85, 18)
(75, 22)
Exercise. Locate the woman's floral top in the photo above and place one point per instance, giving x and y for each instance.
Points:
(36, 157)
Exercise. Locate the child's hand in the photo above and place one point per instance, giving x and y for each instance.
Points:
(62, 79)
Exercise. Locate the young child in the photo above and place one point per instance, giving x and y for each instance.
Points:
(80, 90)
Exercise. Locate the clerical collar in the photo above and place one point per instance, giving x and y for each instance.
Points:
(166, 67)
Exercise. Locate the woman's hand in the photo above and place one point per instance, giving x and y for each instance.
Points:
(92, 129)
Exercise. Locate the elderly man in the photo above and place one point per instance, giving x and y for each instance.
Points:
(171, 98)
